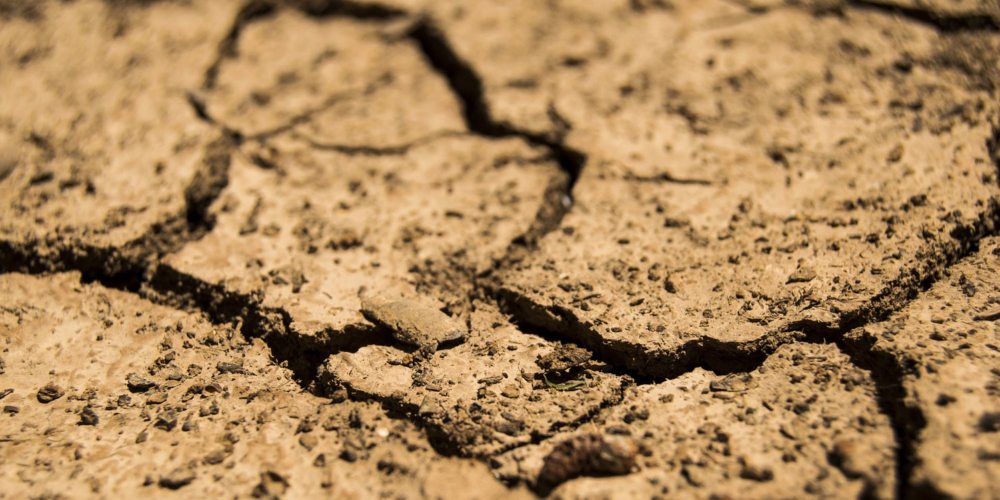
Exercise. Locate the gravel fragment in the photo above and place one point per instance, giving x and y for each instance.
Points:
(50, 393)
(137, 383)
(89, 417)
(177, 479)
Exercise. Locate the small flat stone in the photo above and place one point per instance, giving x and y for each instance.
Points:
(410, 322)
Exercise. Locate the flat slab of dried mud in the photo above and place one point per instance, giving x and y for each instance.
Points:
(723, 249)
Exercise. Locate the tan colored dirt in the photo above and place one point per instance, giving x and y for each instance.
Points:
(445, 249)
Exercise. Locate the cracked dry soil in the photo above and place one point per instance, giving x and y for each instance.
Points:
(751, 243)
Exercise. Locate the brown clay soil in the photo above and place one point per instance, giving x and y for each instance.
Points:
(698, 249)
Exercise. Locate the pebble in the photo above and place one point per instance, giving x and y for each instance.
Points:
(511, 391)
(224, 367)
(802, 275)
(50, 393)
(308, 441)
(177, 479)
(272, 486)
(755, 471)
(166, 420)
(89, 417)
(410, 322)
(136, 383)
(218, 456)
(156, 398)
(211, 409)
(349, 455)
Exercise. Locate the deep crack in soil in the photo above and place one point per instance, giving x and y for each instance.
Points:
(136, 266)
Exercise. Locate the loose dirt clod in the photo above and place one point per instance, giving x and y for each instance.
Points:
(136, 383)
(586, 455)
(89, 417)
(410, 322)
(177, 479)
(50, 393)
(563, 358)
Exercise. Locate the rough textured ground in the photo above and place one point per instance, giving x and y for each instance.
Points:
(754, 240)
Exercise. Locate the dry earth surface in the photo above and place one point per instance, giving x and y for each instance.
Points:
(718, 249)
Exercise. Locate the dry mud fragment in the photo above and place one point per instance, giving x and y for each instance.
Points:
(201, 429)
(306, 239)
(942, 367)
(481, 397)
(99, 142)
(411, 322)
(805, 423)
(338, 187)
(739, 188)
(337, 81)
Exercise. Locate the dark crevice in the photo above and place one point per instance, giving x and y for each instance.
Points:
(119, 267)
(462, 79)
(200, 108)
(367, 150)
(467, 86)
(254, 9)
(347, 8)
(444, 440)
(633, 359)
(130, 269)
(726, 357)
(109, 267)
(943, 22)
(301, 354)
(666, 178)
(887, 373)
(329, 102)
(208, 182)
(886, 370)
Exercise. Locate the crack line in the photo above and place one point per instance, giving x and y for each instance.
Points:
(943, 22)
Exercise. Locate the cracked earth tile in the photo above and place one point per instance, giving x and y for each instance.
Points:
(332, 76)
(100, 139)
(482, 397)
(812, 185)
(805, 423)
(306, 236)
(943, 346)
(211, 415)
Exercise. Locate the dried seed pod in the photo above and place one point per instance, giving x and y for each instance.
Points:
(586, 455)
(410, 322)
